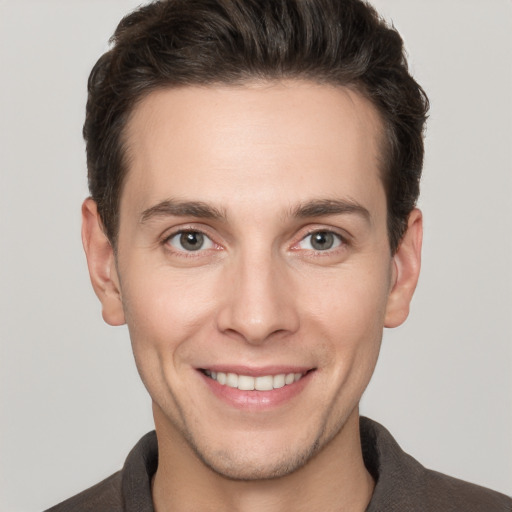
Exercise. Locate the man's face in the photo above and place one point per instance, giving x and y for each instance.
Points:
(253, 251)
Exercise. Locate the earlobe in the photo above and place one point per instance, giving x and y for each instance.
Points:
(407, 263)
(101, 262)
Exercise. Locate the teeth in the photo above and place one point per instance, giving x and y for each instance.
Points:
(231, 380)
(279, 381)
(248, 383)
(264, 383)
(245, 383)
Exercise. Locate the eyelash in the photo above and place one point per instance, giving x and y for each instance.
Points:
(339, 240)
(342, 241)
(184, 253)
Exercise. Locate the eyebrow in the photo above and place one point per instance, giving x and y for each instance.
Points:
(322, 207)
(199, 209)
(174, 208)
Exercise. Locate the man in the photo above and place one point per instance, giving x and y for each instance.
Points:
(254, 169)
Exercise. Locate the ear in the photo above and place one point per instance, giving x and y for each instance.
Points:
(406, 270)
(102, 264)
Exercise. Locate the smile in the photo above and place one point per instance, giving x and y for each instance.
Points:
(248, 383)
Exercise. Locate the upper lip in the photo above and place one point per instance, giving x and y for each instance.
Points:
(257, 371)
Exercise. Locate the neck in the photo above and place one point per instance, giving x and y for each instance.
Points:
(335, 479)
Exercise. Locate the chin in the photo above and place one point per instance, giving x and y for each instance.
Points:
(244, 467)
(258, 459)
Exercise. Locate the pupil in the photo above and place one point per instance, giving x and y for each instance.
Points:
(322, 241)
(192, 241)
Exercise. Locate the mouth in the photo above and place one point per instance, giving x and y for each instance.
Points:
(250, 383)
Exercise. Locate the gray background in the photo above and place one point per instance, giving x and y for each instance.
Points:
(71, 402)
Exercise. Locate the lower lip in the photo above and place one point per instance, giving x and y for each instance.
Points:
(256, 399)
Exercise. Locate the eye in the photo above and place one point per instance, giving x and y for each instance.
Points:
(190, 241)
(321, 241)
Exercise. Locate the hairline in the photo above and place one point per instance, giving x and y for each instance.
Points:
(384, 140)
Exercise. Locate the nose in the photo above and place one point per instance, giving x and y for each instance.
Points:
(258, 301)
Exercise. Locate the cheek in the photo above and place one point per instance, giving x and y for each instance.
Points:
(347, 312)
(348, 301)
(165, 314)
(163, 309)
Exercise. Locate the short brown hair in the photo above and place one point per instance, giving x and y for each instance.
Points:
(171, 43)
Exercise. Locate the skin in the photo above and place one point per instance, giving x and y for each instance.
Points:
(266, 159)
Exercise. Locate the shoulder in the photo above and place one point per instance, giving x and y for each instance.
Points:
(451, 494)
(403, 484)
(105, 496)
(130, 487)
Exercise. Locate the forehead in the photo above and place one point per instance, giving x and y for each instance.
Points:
(269, 143)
